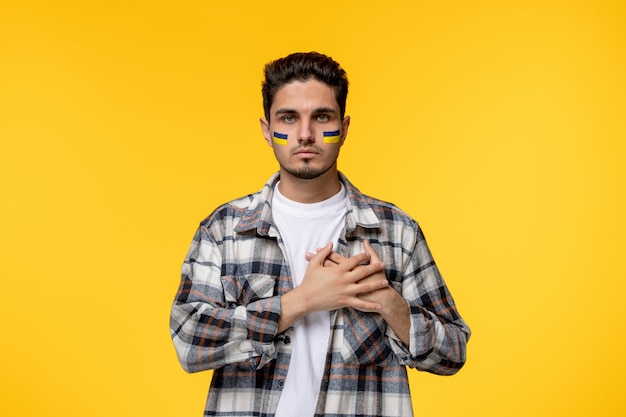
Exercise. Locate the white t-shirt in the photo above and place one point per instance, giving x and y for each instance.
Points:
(304, 228)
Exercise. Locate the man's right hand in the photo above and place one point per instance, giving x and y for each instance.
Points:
(332, 285)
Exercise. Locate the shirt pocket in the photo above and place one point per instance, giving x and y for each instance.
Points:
(247, 288)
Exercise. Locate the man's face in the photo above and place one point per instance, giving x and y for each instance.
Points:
(308, 114)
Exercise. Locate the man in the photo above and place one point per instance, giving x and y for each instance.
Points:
(309, 298)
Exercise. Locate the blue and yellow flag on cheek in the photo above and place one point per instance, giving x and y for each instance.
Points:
(332, 137)
(280, 138)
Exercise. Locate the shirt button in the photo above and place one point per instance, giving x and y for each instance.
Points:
(287, 340)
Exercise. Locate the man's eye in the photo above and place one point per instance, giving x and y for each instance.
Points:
(323, 118)
(289, 119)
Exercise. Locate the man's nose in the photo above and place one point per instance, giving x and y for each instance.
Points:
(305, 133)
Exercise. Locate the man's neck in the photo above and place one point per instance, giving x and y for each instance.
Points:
(309, 191)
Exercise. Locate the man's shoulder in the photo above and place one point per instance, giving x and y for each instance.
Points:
(382, 209)
(231, 209)
(243, 213)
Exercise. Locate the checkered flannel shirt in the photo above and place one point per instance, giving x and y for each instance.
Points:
(225, 314)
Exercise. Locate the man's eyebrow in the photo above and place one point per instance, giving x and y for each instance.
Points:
(325, 110)
(285, 111)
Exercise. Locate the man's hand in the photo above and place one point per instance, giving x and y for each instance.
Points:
(393, 307)
(335, 285)
(380, 295)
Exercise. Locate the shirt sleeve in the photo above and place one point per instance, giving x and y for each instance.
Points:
(208, 327)
(438, 333)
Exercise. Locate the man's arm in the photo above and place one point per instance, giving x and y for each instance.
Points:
(209, 325)
(423, 316)
(438, 333)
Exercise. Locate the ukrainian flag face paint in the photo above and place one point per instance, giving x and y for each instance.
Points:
(332, 137)
(280, 138)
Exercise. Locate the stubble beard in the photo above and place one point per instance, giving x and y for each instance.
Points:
(307, 172)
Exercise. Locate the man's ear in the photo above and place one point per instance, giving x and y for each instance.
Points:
(265, 128)
(345, 123)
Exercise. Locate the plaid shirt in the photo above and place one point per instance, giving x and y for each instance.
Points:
(225, 314)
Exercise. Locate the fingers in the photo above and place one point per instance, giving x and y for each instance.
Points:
(366, 306)
(370, 251)
(328, 262)
(334, 255)
(334, 258)
(321, 255)
(371, 284)
(353, 281)
(360, 260)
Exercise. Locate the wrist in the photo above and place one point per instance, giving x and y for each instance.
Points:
(293, 307)
(394, 307)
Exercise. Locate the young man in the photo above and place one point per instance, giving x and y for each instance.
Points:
(309, 298)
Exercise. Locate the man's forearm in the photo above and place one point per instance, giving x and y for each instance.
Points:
(292, 309)
(396, 314)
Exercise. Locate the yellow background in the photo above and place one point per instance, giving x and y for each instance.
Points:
(499, 125)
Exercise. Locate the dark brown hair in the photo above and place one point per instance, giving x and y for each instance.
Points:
(303, 66)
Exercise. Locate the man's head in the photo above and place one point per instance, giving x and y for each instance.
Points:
(304, 96)
(303, 66)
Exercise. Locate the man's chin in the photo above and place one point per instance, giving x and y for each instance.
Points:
(307, 172)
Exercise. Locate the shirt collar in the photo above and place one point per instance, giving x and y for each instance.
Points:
(258, 216)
